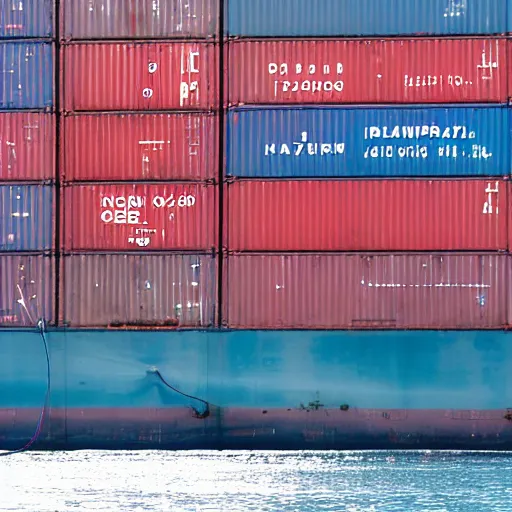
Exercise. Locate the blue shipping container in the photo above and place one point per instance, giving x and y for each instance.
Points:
(338, 18)
(26, 18)
(26, 80)
(368, 142)
(26, 217)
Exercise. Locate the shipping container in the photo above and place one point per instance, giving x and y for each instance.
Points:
(364, 142)
(138, 19)
(342, 18)
(108, 290)
(140, 147)
(26, 290)
(139, 216)
(353, 291)
(139, 76)
(26, 217)
(370, 215)
(26, 18)
(367, 71)
(26, 80)
(27, 146)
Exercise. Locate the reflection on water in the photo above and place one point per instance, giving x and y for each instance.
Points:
(257, 481)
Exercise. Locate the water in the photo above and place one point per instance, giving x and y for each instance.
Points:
(256, 481)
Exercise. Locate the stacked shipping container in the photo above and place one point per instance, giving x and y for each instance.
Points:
(27, 162)
(348, 132)
(139, 157)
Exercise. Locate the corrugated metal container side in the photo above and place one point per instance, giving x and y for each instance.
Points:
(26, 80)
(365, 142)
(105, 290)
(370, 215)
(26, 290)
(140, 147)
(26, 217)
(139, 19)
(27, 146)
(322, 18)
(353, 291)
(139, 76)
(367, 71)
(26, 18)
(124, 217)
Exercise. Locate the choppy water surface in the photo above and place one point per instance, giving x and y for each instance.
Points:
(256, 481)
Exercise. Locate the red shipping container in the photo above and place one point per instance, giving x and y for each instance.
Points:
(135, 217)
(139, 76)
(167, 290)
(140, 147)
(372, 215)
(367, 71)
(26, 290)
(347, 291)
(27, 146)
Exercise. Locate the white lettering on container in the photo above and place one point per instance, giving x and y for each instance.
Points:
(190, 67)
(303, 147)
(489, 208)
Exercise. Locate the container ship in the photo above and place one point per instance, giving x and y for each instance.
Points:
(241, 224)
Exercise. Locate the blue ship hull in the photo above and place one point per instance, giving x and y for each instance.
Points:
(258, 390)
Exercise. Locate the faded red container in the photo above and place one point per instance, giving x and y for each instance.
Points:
(367, 71)
(26, 290)
(27, 146)
(124, 217)
(139, 18)
(139, 76)
(351, 291)
(373, 215)
(140, 147)
(167, 290)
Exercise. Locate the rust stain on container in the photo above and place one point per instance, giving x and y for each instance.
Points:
(347, 291)
(138, 216)
(139, 76)
(109, 290)
(179, 146)
(372, 215)
(27, 146)
(367, 71)
(139, 18)
(26, 290)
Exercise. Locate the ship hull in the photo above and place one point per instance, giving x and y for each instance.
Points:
(258, 390)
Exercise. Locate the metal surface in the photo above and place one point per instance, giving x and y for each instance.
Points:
(265, 390)
(26, 75)
(90, 19)
(26, 217)
(138, 290)
(376, 215)
(27, 146)
(363, 142)
(140, 147)
(367, 71)
(26, 290)
(308, 18)
(139, 76)
(358, 291)
(26, 18)
(124, 217)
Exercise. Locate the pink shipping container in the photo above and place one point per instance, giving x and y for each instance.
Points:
(367, 71)
(352, 291)
(27, 146)
(124, 217)
(139, 18)
(373, 215)
(26, 290)
(139, 76)
(140, 147)
(174, 290)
